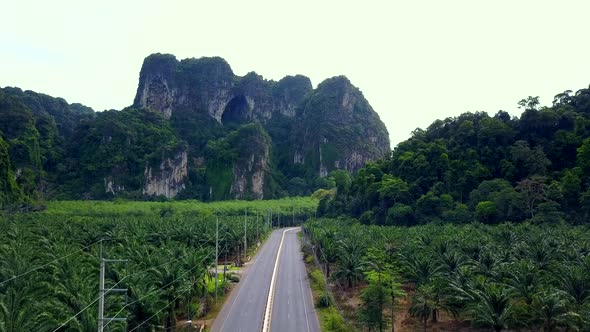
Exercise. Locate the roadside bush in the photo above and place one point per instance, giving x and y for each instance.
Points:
(234, 278)
(324, 301)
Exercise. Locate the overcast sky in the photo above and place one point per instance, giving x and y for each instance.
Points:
(415, 61)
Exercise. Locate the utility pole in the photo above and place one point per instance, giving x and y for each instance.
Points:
(225, 253)
(245, 236)
(102, 292)
(270, 218)
(216, 254)
(189, 319)
(257, 230)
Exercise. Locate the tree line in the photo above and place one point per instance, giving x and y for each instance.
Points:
(479, 167)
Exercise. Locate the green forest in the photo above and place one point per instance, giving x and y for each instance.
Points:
(53, 150)
(478, 222)
(474, 166)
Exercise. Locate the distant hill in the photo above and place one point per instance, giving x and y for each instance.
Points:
(195, 130)
(480, 167)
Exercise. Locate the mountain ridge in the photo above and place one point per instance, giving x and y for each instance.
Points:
(179, 137)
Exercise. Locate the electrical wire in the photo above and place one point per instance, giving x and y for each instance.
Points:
(157, 312)
(72, 253)
(47, 264)
(155, 291)
(117, 283)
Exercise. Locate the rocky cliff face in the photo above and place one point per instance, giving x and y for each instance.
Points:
(168, 179)
(249, 175)
(209, 86)
(339, 129)
(203, 132)
(331, 127)
(240, 163)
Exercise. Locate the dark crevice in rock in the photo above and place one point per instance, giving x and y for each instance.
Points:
(236, 112)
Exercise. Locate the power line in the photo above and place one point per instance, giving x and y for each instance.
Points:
(75, 252)
(47, 264)
(157, 312)
(122, 279)
(81, 311)
(154, 291)
(115, 285)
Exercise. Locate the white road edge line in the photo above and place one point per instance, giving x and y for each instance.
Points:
(268, 311)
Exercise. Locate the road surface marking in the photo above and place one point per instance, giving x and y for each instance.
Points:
(239, 293)
(268, 311)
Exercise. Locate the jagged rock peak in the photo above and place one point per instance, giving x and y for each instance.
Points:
(209, 86)
(341, 88)
(339, 129)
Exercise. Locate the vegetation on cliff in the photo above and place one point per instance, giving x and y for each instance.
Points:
(190, 134)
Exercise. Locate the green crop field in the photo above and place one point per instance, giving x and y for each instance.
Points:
(49, 260)
(285, 207)
(448, 277)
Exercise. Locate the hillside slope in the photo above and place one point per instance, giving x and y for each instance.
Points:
(480, 167)
(195, 130)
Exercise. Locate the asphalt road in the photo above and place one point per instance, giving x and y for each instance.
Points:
(293, 308)
(244, 310)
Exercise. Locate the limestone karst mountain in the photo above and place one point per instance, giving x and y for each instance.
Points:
(195, 130)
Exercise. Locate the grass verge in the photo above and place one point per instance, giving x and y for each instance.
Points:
(329, 317)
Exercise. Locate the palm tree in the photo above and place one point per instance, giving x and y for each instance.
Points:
(19, 311)
(422, 305)
(540, 253)
(576, 284)
(550, 308)
(490, 305)
(451, 262)
(486, 264)
(328, 249)
(523, 279)
(350, 265)
(422, 269)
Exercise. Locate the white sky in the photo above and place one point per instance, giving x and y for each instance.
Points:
(415, 61)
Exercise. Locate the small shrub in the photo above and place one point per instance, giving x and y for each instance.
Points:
(332, 321)
(166, 211)
(324, 301)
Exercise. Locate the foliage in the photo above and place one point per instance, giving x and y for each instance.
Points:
(49, 261)
(285, 208)
(329, 317)
(481, 167)
(501, 276)
(240, 149)
(10, 193)
(117, 147)
(337, 121)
